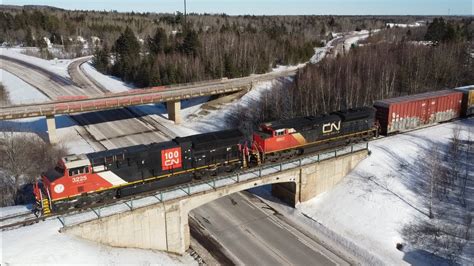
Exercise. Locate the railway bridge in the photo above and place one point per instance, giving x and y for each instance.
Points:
(160, 221)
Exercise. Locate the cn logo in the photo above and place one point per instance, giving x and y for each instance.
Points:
(171, 158)
(330, 127)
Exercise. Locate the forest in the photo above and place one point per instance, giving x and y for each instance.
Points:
(150, 49)
(392, 63)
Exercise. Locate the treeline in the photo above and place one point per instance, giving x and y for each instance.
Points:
(20, 25)
(367, 73)
(193, 56)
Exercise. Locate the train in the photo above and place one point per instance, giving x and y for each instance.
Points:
(80, 180)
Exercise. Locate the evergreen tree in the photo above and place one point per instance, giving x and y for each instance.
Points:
(190, 43)
(158, 43)
(101, 59)
(436, 30)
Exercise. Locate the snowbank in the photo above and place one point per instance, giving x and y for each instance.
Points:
(58, 67)
(111, 83)
(374, 202)
(43, 244)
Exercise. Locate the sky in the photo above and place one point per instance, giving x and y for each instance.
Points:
(269, 7)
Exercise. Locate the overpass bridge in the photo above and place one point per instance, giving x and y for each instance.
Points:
(171, 95)
(159, 221)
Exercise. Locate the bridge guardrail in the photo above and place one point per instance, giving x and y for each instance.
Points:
(205, 185)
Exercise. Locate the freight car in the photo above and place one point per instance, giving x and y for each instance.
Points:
(468, 100)
(413, 111)
(79, 180)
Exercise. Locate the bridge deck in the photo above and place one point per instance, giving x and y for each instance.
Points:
(135, 97)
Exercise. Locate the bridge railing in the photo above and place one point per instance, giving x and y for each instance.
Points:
(209, 184)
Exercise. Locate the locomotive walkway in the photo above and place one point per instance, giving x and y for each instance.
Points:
(160, 220)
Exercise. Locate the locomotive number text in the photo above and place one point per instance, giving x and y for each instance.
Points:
(171, 158)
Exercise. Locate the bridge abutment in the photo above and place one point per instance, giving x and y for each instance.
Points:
(164, 226)
(174, 111)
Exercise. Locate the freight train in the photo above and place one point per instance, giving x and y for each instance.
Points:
(80, 180)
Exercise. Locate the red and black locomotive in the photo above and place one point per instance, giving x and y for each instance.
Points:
(79, 180)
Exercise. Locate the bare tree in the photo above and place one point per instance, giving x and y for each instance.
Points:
(23, 158)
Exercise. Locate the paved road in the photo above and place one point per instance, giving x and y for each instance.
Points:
(107, 129)
(252, 234)
(47, 82)
(82, 80)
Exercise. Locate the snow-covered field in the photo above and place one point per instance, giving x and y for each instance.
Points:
(43, 244)
(374, 202)
(20, 92)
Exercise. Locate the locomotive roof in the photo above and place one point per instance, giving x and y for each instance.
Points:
(107, 153)
(415, 97)
(301, 122)
(356, 113)
(213, 139)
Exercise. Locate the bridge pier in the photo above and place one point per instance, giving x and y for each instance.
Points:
(51, 126)
(174, 111)
(164, 225)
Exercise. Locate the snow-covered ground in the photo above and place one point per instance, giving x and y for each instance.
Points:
(43, 244)
(374, 202)
(20, 92)
(411, 25)
(111, 83)
(56, 66)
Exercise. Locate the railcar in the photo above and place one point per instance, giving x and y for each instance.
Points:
(79, 180)
(288, 138)
(467, 100)
(413, 111)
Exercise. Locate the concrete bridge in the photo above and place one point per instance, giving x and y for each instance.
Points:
(163, 224)
(171, 95)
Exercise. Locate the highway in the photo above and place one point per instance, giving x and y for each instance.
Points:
(107, 129)
(251, 233)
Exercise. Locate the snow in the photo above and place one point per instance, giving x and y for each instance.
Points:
(373, 203)
(113, 84)
(58, 67)
(42, 243)
(7, 211)
(411, 25)
(20, 92)
(214, 120)
(320, 52)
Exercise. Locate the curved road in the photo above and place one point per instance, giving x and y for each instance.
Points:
(108, 129)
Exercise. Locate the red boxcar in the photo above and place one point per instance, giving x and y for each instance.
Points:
(413, 111)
